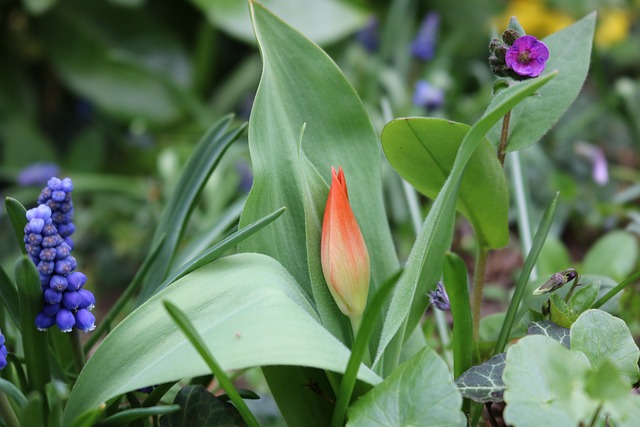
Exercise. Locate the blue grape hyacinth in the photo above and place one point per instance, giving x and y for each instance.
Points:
(3, 352)
(47, 238)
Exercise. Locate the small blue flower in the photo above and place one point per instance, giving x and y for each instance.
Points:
(37, 174)
(48, 242)
(427, 96)
(3, 352)
(368, 36)
(424, 45)
(439, 298)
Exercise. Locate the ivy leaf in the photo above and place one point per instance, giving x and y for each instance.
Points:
(483, 383)
(198, 407)
(551, 330)
(601, 336)
(419, 392)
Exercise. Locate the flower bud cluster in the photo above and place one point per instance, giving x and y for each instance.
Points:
(47, 238)
(3, 352)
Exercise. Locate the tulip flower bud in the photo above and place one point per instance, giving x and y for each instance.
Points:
(344, 255)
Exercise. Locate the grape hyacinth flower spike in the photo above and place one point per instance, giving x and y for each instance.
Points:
(47, 238)
(3, 352)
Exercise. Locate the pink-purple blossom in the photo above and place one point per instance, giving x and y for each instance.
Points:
(527, 56)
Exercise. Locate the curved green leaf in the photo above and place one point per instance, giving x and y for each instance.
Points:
(570, 55)
(422, 151)
(323, 21)
(199, 407)
(614, 255)
(247, 308)
(604, 337)
(419, 392)
(483, 382)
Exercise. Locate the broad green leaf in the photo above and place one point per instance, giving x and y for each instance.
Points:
(570, 55)
(300, 84)
(583, 298)
(614, 255)
(608, 386)
(174, 218)
(483, 383)
(545, 384)
(13, 392)
(248, 310)
(323, 21)
(604, 337)
(198, 407)
(551, 330)
(422, 151)
(420, 392)
(424, 265)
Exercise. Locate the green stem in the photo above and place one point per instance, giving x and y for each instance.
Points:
(8, 415)
(504, 136)
(78, 352)
(478, 286)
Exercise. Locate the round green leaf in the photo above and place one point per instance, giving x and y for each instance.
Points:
(545, 384)
(420, 392)
(604, 337)
(246, 307)
(614, 255)
(422, 151)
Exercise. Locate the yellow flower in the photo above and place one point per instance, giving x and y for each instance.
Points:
(613, 26)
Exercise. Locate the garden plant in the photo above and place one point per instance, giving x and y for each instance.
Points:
(341, 268)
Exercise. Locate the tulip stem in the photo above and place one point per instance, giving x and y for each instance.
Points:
(478, 286)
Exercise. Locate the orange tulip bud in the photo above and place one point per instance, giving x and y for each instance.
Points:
(345, 259)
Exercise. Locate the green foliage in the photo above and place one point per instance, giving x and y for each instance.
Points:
(551, 330)
(570, 54)
(418, 392)
(241, 305)
(483, 382)
(422, 151)
(198, 407)
(614, 255)
(323, 21)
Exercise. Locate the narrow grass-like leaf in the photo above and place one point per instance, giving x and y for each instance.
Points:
(221, 247)
(221, 376)
(9, 295)
(32, 414)
(626, 282)
(34, 342)
(18, 217)
(457, 286)
(521, 284)
(360, 347)
(13, 392)
(196, 172)
(129, 415)
(424, 265)
(88, 418)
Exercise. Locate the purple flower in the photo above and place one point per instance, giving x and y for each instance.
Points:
(439, 298)
(424, 45)
(368, 36)
(527, 56)
(3, 352)
(427, 95)
(37, 174)
(600, 168)
(85, 321)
